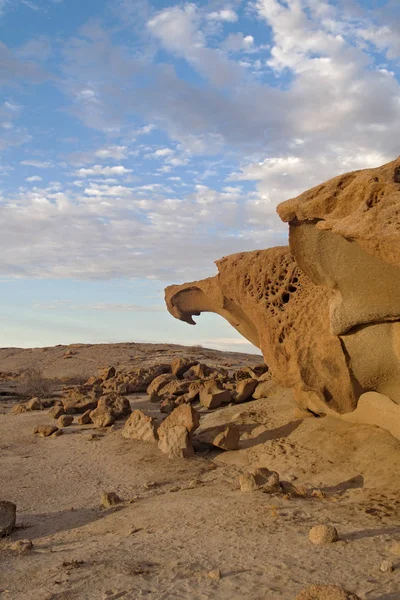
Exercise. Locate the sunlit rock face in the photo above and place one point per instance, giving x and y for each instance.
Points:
(326, 312)
(271, 302)
(345, 235)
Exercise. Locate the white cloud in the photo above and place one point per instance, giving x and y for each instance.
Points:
(33, 178)
(98, 170)
(114, 152)
(39, 164)
(161, 152)
(226, 14)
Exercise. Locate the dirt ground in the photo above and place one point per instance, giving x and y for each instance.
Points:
(185, 530)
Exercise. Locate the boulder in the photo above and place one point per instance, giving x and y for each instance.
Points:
(78, 402)
(321, 535)
(140, 378)
(65, 420)
(228, 439)
(175, 387)
(159, 382)
(326, 592)
(168, 405)
(117, 405)
(8, 511)
(34, 404)
(140, 427)
(56, 411)
(45, 430)
(244, 390)
(175, 442)
(184, 415)
(110, 499)
(179, 365)
(213, 398)
(101, 417)
(84, 419)
(259, 479)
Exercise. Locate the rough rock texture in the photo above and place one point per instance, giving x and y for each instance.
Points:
(345, 235)
(45, 430)
(78, 402)
(140, 427)
(110, 499)
(179, 365)
(118, 406)
(259, 479)
(7, 517)
(34, 404)
(272, 303)
(102, 417)
(159, 382)
(213, 398)
(321, 535)
(56, 411)
(326, 592)
(84, 419)
(244, 389)
(65, 420)
(176, 432)
(228, 439)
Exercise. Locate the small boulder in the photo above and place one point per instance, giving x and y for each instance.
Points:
(159, 382)
(326, 592)
(56, 411)
(8, 512)
(84, 419)
(386, 566)
(179, 365)
(65, 420)
(140, 427)
(184, 415)
(244, 390)
(110, 499)
(34, 404)
(78, 402)
(214, 398)
(18, 409)
(228, 439)
(175, 387)
(322, 535)
(102, 417)
(260, 479)
(45, 430)
(117, 405)
(168, 405)
(176, 443)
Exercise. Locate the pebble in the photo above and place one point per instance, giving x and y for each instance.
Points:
(321, 535)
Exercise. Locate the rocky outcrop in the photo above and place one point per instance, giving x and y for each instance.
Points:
(345, 235)
(272, 303)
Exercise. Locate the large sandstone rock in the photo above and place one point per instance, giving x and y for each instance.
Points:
(102, 417)
(345, 235)
(326, 592)
(244, 389)
(78, 402)
(272, 303)
(179, 365)
(228, 439)
(7, 517)
(140, 378)
(140, 427)
(159, 382)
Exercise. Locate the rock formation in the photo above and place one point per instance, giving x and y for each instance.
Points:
(272, 303)
(326, 312)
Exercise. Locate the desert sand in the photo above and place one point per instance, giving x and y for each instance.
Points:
(184, 528)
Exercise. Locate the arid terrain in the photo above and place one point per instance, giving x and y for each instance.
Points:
(184, 528)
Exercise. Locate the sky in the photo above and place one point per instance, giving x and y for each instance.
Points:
(142, 140)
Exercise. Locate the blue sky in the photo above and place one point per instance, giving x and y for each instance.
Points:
(140, 141)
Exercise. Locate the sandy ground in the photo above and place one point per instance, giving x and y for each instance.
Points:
(183, 519)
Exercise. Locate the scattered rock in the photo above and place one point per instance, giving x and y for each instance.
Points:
(34, 404)
(56, 411)
(159, 382)
(244, 389)
(102, 417)
(107, 373)
(65, 420)
(228, 439)
(22, 546)
(18, 409)
(214, 398)
(45, 430)
(84, 419)
(326, 592)
(321, 535)
(140, 378)
(260, 479)
(168, 405)
(116, 404)
(386, 566)
(109, 499)
(140, 427)
(214, 574)
(179, 365)
(78, 402)
(184, 415)
(175, 387)
(175, 442)
(8, 511)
